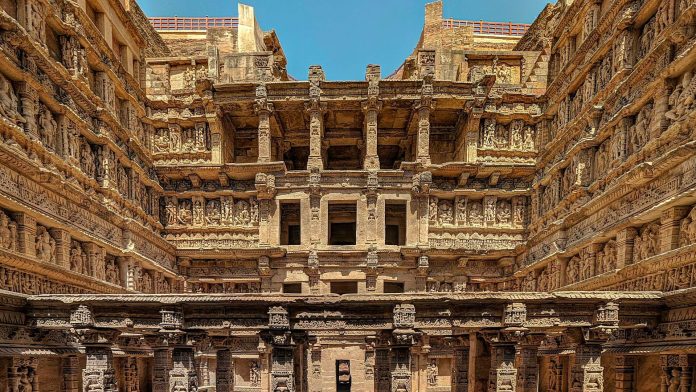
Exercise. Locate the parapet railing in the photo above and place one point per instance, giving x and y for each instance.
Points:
(492, 28)
(202, 23)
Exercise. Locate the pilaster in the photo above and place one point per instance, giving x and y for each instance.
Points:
(316, 109)
(669, 228)
(26, 233)
(371, 108)
(624, 373)
(224, 379)
(70, 369)
(62, 239)
(263, 109)
(624, 247)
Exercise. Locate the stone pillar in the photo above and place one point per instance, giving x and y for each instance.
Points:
(264, 109)
(315, 230)
(62, 238)
(528, 368)
(371, 202)
(26, 233)
(265, 194)
(130, 374)
(183, 375)
(71, 373)
(669, 228)
(624, 247)
(423, 136)
(503, 374)
(371, 108)
(160, 371)
(472, 136)
(315, 108)
(624, 370)
(224, 379)
(99, 374)
(460, 375)
(586, 372)
(29, 100)
(22, 374)
(314, 379)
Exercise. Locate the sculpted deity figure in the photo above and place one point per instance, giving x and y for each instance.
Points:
(185, 214)
(8, 232)
(518, 218)
(48, 128)
(198, 215)
(516, 134)
(692, 226)
(9, 107)
(647, 37)
(161, 141)
(489, 210)
(461, 210)
(36, 21)
(528, 142)
(77, 259)
(189, 77)
(254, 374)
(242, 216)
(253, 211)
(503, 213)
(45, 245)
(212, 212)
(489, 133)
(432, 211)
(174, 140)
(476, 214)
(682, 99)
(674, 381)
(200, 137)
(573, 270)
(112, 272)
(432, 373)
(170, 212)
(445, 214)
(227, 215)
(685, 230)
(87, 160)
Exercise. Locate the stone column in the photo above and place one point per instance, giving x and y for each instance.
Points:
(503, 374)
(224, 379)
(460, 375)
(371, 108)
(371, 197)
(130, 374)
(314, 378)
(315, 108)
(62, 238)
(528, 367)
(669, 228)
(624, 247)
(183, 375)
(586, 372)
(99, 374)
(71, 373)
(472, 135)
(624, 370)
(263, 109)
(22, 374)
(26, 233)
(423, 136)
(29, 100)
(160, 371)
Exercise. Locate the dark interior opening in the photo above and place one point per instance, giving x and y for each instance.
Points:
(290, 227)
(296, 158)
(292, 288)
(342, 224)
(393, 287)
(395, 223)
(390, 156)
(343, 158)
(344, 287)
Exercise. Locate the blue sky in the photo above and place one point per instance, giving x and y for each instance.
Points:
(343, 36)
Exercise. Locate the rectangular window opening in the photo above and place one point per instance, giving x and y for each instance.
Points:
(393, 287)
(395, 223)
(290, 227)
(342, 223)
(292, 288)
(342, 288)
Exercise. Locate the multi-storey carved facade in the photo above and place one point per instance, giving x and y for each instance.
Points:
(513, 209)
